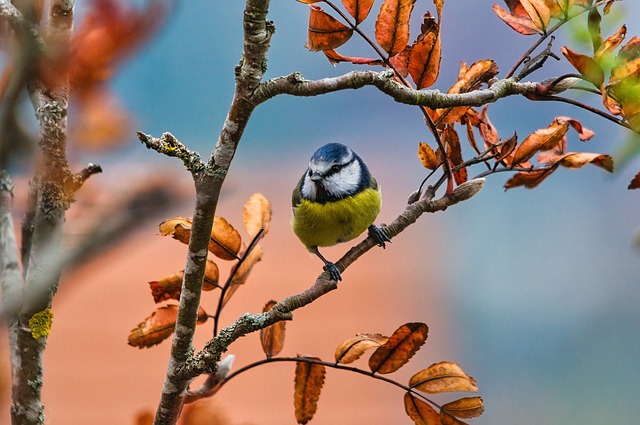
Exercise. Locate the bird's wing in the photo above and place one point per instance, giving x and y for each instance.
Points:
(296, 196)
(373, 183)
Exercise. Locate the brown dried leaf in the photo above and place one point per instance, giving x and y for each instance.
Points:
(272, 337)
(635, 182)
(478, 73)
(454, 153)
(178, 228)
(392, 25)
(467, 407)
(442, 377)
(428, 157)
(424, 60)
(325, 32)
(538, 12)
(335, 57)
(241, 274)
(580, 159)
(225, 240)
(447, 419)
(528, 179)
(166, 288)
(401, 346)
(507, 148)
(401, 61)
(541, 140)
(487, 131)
(605, 52)
(359, 9)
(521, 24)
(170, 286)
(257, 215)
(630, 50)
(308, 382)
(419, 411)
(586, 66)
(159, 326)
(353, 348)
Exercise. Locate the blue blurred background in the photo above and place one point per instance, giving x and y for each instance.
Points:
(540, 287)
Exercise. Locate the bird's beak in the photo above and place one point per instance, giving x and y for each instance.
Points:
(315, 176)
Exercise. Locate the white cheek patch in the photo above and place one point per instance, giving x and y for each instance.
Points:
(308, 188)
(345, 182)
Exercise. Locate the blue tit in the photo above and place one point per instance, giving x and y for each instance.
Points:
(335, 200)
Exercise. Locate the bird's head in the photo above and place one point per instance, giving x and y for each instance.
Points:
(335, 171)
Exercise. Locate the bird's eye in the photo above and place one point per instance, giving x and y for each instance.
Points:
(335, 168)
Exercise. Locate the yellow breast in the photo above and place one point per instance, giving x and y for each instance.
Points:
(333, 222)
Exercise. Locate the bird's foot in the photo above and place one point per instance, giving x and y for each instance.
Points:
(333, 271)
(379, 235)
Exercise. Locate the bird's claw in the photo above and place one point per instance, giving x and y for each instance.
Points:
(379, 235)
(333, 271)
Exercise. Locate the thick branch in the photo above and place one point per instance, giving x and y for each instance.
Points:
(294, 84)
(257, 36)
(205, 361)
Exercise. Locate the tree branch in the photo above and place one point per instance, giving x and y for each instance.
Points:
(208, 182)
(294, 84)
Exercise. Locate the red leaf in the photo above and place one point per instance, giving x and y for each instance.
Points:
(392, 25)
(326, 32)
(424, 60)
(359, 9)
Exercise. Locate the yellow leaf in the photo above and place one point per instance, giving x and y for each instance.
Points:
(353, 348)
(257, 215)
(468, 407)
(442, 377)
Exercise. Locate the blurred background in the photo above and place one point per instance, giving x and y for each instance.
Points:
(535, 293)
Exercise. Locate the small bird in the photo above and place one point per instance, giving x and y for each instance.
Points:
(335, 200)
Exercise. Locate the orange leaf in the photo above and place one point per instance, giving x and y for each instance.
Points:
(353, 348)
(523, 25)
(401, 61)
(635, 183)
(469, 79)
(359, 9)
(542, 139)
(178, 228)
(326, 32)
(392, 25)
(167, 288)
(335, 57)
(528, 179)
(241, 273)
(580, 159)
(605, 51)
(272, 337)
(109, 32)
(454, 153)
(447, 419)
(442, 377)
(487, 131)
(257, 215)
(419, 411)
(225, 239)
(507, 147)
(468, 407)
(586, 66)
(538, 12)
(308, 382)
(400, 347)
(428, 157)
(158, 327)
(424, 60)
(170, 287)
